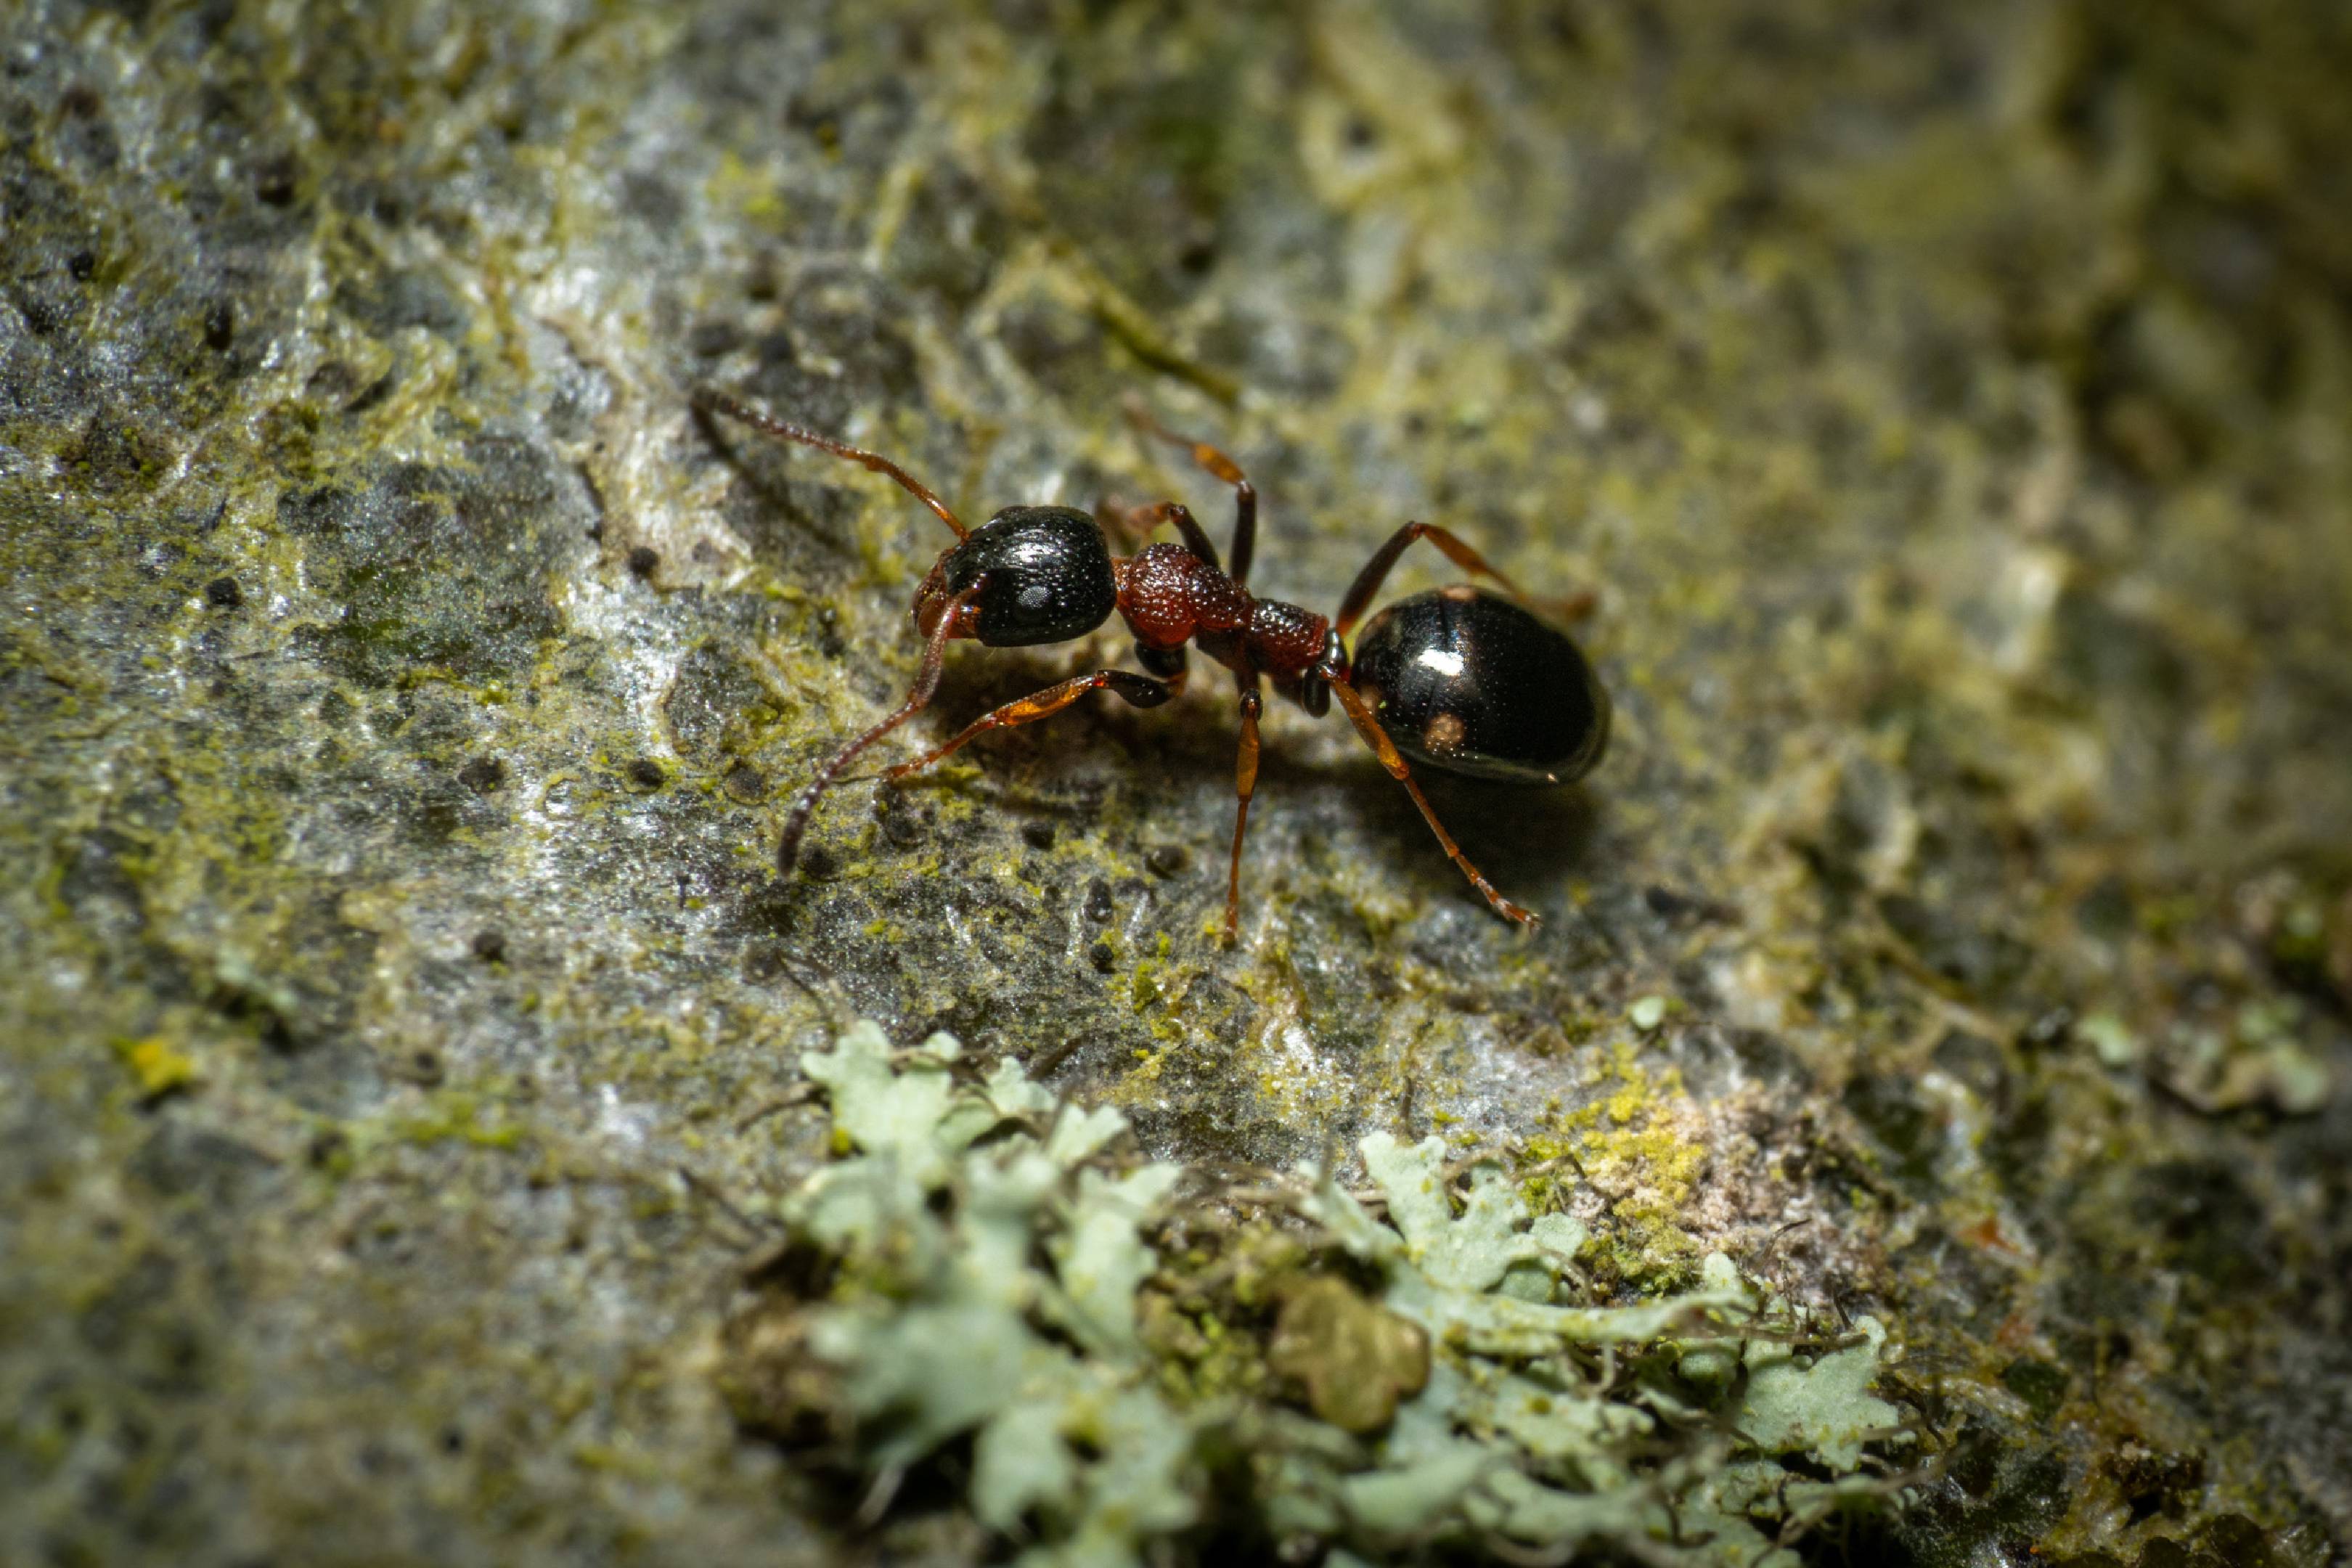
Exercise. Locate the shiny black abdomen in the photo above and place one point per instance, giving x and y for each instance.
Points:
(1472, 683)
(1048, 571)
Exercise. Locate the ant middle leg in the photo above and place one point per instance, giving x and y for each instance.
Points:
(1137, 521)
(1245, 786)
(1223, 467)
(1138, 690)
(1376, 571)
(1361, 714)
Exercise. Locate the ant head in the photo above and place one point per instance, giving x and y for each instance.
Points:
(1043, 573)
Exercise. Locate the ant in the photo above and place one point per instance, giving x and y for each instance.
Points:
(1457, 678)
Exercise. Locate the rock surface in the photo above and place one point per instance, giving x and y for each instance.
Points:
(403, 691)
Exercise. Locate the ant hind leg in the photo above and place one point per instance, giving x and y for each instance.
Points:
(1376, 571)
(1361, 714)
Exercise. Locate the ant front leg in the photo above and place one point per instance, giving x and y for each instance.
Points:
(952, 625)
(1376, 571)
(1140, 691)
(1360, 713)
(1245, 786)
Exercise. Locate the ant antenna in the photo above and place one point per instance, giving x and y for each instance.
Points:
(710, 400)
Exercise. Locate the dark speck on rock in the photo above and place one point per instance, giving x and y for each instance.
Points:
(2050, 1028)
(220, 326)
(1037, 835)
(179, 1158)
(818, 863)
(489, 946)
(1674, 907)
(82, 264)
(1168, 861)
(331, 384)
(643, 559)
(483, 774)
(744, 783)
(274, 180)
(709, 340)
(1101, 957)
(222, 594)
(646, 774)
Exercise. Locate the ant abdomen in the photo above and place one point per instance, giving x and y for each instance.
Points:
(1472, 683)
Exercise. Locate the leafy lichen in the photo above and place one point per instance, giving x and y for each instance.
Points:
(994, 1263)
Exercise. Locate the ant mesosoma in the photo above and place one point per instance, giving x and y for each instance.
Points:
(1457, 678)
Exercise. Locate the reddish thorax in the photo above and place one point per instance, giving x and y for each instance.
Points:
(1169, 597)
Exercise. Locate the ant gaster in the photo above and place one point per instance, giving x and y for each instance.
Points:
(1468, 682)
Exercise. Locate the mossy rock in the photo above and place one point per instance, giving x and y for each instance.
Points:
(402, 692)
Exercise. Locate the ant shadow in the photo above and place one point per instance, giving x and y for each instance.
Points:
(1525, 838)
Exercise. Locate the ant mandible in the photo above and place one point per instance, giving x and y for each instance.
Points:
(1469, 682)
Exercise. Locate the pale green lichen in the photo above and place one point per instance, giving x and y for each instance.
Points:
(993, 1259)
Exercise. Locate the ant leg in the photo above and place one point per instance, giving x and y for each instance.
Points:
(1376, 571)
(713, 401)
(1139, 691)
(926, 681)
(1245, 786)
(1225, 469)
(1139, 520)
(1360, 715)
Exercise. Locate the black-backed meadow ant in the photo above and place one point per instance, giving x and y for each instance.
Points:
(1457, 678)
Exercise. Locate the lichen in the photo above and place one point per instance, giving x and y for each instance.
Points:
(1624, 1143)
(992, 1269)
